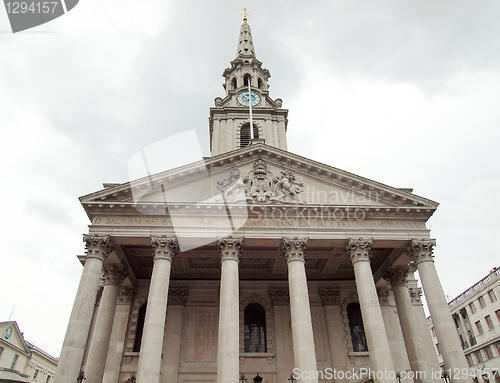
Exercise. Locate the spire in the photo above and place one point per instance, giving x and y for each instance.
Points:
(245, 43)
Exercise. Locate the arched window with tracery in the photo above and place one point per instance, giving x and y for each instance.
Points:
(356, 326)
(140, 328)
(255, 328)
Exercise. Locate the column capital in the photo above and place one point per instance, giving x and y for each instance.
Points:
(114, 274)
(177, 296)
(279, 296)
(125, 295)
(421, 250)
(396, 275)
(230, 248)
(97, 246)
(164, 247)
(383, 296)
(294, 249)
(415, 295)
(329, 296)
(359, 249)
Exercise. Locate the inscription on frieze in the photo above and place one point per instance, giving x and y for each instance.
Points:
(199, 222)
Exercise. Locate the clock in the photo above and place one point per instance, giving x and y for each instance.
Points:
(244, 98)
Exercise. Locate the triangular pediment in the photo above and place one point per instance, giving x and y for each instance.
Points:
(261, 175)
(9, 333)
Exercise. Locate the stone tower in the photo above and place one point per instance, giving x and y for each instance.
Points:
(230, 118)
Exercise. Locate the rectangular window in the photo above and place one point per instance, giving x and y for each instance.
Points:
(35, 375)
(498, 314)
(434, 331)
(14, 361)
(489, 353)
(482, 302)
(479, 356)
(472, 307)
(469, 360)
(489, 322)
(479, 328)
(48, 379)
(492, 296)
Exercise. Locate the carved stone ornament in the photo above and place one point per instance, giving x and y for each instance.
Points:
(359, 249)
(294, 249)
(279, 297)
(383, 296)
(421, 250)
(125, 295)
(329, 297)
(230, 248)
(415, 295)
(114, 275)
(396, 276)
(164, 247)
(262, 187)
(177, 296)
(97, 246)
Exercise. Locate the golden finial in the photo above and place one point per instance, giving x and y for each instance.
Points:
(245, 14)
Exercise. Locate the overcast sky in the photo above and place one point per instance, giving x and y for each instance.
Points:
(406, 93)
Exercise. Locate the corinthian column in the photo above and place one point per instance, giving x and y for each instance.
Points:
(94, 369)
(373, 321)
(68, 369)
(449, 343)
(303, 342)
(409, 324)
(148, 370)
(228, 363)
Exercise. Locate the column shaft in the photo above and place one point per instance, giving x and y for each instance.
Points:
(228, 344)
(118, 336)
(376, 335)
(409, 325)
(148, 370)
(70, 361)
(303, 341)
(449, 343)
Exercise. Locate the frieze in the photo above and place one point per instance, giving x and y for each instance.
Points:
(252, 222)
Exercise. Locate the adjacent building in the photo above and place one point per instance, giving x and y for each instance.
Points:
(22, 361)
(476, 314)
(254, 263)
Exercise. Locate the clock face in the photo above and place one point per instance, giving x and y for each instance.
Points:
(244, 98)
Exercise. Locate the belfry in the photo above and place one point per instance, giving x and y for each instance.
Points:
(256, 263)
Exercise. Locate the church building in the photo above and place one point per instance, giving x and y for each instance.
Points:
(256, 265)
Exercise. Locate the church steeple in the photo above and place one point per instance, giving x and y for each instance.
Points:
(230, 119)
(245, 44)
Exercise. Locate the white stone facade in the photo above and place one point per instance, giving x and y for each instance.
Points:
(284, 269)
(22, 361)
(476, 313)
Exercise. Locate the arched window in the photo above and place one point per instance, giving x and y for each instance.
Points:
(233, 83)
(245, 134)
(260, 84)
(140, 328)
(356, 325)
(247, 79)
(255, 328)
